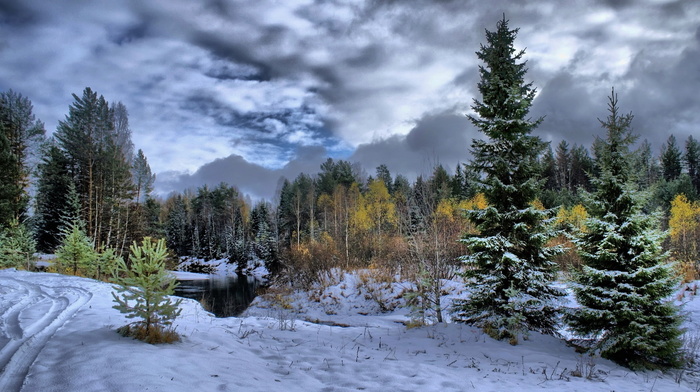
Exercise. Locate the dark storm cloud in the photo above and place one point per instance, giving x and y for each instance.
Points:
(273, 127)
(16, 13)
(664, 96)
(123, 35)
(436, 139)
(223, 48)
(569, 110)
(250, 178)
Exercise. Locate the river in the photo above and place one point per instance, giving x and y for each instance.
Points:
(225, 296)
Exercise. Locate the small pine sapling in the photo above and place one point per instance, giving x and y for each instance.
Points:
(417, 299)
(144, 289)
(76, 254)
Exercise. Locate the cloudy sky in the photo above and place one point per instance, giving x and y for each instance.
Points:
(246, 91)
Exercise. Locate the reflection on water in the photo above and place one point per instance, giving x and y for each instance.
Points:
(225, 296)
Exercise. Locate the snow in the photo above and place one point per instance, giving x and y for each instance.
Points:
(57, 333)
(183, 275)
(222, 267)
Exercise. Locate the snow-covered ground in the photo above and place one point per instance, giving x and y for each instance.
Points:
(222, 267)
(57, 333)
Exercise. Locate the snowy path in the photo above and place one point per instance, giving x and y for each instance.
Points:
(34, 314)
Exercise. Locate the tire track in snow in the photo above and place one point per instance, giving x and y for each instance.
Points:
(10, 317)
(18, 355)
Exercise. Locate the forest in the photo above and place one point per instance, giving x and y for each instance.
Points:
(85, 194)
(87, 173)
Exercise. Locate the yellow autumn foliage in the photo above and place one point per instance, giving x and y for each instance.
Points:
(684, 225)
(447, 210)
(537, 204)
(478, 202)
(379, 206)
(360, 219)
(684, 218)
(575, 216)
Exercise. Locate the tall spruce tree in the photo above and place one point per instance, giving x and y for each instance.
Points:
(646, 166)
(143, 178)
(582, 166)
(692, 161)
(671, 159)
(10, 191)
(22, 135)
(55, 194)
(509, 267)
(563, 165)
(625, 284)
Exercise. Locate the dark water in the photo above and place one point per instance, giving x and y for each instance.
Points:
(224, 296)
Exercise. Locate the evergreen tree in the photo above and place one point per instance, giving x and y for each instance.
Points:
(384, 175)
(402, 198)
(333, 174)
(105, 262)
(122, 131)
(16, 246)
(285, 214)
(76, 254)
(549, 169)
(420, 202)
(582, 167)
(153, 226)
(461, 183)
(671, 159)
(144, 289)
(10, 191)
(143, 178)
(236, 241)
(263, 240)
(178, 229)
(509, 267)
(23, 134)
(625, 285)
(55, 191)
(439, 185)
(563, 166)
(692, 161)
(646, 166)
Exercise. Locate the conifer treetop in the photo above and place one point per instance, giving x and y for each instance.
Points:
(614, 154)
(506, 98)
